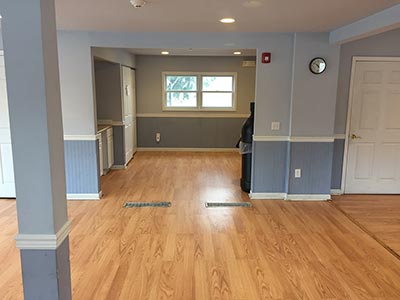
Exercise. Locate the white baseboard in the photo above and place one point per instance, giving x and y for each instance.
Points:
(267, 196)
(336, 192)
(308, 197)
(85, 196)
(144, 149)
(284, 196)
(118, 167)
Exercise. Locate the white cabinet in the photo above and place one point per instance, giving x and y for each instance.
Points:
(129, 111)
(110, 148)
(101, 156)
(7, 181)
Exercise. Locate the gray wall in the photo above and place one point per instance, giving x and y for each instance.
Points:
(385, 44)
(314, 96)
(108, 90)
(76, 83)
(120, 56)
(273, 87)
(190, 132)
(149, 77)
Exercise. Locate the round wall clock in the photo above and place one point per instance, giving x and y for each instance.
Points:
(318, 65)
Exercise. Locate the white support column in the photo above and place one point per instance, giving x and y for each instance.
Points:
(30, 45)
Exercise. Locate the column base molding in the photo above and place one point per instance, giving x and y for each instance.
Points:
(43, 241)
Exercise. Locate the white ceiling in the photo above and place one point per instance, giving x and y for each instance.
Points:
(193, 52)
(203, 15)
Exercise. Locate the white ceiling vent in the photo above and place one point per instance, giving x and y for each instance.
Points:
(248, 63)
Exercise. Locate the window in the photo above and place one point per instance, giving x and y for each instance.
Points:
(199, 91)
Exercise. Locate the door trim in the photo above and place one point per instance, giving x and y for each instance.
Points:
(355, 60)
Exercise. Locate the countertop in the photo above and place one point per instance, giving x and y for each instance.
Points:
(101, 128)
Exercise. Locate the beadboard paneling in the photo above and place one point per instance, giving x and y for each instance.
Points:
(82, 167)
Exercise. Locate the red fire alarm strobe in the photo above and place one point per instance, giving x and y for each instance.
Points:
(266, 57)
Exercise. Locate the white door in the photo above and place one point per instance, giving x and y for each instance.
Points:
(129, 111)
(134, 123)
(7, 186)
(373, 161)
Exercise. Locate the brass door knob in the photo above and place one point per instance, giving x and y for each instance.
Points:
(353, 137)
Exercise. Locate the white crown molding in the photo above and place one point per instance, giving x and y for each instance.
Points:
(267, 196)
(43, 241)
(94, 196)
(188, 149)
(340, 136)
(294, 139)
(192, 115)
(79, 137)
(309, 197)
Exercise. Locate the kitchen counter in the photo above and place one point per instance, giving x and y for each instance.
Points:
(102, 128)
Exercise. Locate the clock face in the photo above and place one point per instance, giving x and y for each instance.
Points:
(317, 65)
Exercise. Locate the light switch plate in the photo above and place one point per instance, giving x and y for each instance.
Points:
(158, 137)
(275, 125)
(297, 173)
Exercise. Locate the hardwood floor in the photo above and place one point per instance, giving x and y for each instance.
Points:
(378, 214)
(274, 250)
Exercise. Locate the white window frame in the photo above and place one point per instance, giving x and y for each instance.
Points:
(199, 91)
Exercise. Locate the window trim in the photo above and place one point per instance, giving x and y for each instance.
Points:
(199, 91)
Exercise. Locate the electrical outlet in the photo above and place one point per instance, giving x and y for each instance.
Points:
(297, 173)
(275, 125)
(158, 137)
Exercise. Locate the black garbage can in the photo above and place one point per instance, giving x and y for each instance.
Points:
(246, 149)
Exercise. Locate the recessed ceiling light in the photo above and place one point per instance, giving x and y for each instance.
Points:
(252, 4)
(164, 52)
(237, 52)
(138, 3)
(227, 20)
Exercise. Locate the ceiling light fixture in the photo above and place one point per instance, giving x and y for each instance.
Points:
(164, 52)
(227, 20)
(237, 53)
(138, 3)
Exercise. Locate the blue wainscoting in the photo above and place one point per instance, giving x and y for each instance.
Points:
(315, 161)
(274, 165)
(82, 167)
(269, 166)
(337, 165)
